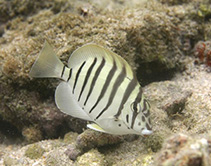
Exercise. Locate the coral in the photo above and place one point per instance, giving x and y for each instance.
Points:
(34, 151)
(182, 150)
(157, 41)
(193, 118)
(9, 161)
(12, 9)
(92, 157)
(1, 137)
(91, 139)
(73, 152)
(23, 109)
(170, 97)
(202, 50)
(31, 134)
(57, 157)
(149, 39)
(176, 103)
(9, 133)
(12, 67)
(207, 31)
(70, 137)
(205, 10)
(154, 142)
(174, 2)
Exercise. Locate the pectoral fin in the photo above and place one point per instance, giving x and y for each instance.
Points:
(66, 102)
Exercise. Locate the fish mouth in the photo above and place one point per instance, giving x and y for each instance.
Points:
(146, 132)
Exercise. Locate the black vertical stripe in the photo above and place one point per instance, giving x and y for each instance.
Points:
(131, 86)
(94, 79)
(70, 74)
(105, 86)
(135, 113)
(127, 118)
(87, 77)
(77, 75)
(115, 87)
(133, 119)
(63, 71)
(135, 105)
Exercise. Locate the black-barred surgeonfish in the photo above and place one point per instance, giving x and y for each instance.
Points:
(99, 86)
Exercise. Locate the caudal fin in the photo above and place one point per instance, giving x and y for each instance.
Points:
(47, 64)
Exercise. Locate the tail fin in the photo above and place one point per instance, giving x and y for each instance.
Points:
(47, 64)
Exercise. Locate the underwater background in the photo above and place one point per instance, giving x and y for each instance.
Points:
(168, 45)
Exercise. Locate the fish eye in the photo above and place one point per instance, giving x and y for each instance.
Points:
(135, 107)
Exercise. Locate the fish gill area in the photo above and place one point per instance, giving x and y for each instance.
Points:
(168, 45)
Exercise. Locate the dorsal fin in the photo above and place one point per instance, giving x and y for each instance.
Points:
(92, 50)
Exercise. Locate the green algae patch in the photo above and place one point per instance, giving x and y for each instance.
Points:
(34, 151)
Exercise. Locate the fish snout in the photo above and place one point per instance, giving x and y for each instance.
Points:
(146, 132)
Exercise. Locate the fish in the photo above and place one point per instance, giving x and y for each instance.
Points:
(99, 86)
